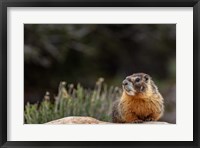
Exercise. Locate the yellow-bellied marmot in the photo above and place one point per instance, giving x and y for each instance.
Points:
(140, 101)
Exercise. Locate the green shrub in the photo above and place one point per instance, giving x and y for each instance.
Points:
(72, 101)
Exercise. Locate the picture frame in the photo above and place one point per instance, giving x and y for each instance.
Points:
(195, 4)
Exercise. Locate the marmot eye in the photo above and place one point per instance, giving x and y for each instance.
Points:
(137, 80)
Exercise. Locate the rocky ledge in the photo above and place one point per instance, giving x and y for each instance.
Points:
(90, 120)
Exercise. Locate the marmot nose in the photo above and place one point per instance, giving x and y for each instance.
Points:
(125, 82)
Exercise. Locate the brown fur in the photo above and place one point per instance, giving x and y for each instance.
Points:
(147, 106)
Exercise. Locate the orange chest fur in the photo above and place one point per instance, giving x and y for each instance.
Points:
(139, 106)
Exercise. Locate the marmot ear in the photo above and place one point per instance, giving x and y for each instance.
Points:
(147, 77)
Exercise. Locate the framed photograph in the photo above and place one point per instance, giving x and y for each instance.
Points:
(99, 73)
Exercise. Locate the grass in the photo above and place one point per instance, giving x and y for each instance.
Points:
(71, 101)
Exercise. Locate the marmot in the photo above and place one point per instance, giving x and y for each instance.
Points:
(140, 101)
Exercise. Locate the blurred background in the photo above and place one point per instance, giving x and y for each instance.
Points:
(82, 53)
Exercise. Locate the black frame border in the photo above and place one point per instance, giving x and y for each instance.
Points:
(99, 3)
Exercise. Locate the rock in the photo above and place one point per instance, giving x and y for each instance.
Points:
(89, 120)
(155, 122)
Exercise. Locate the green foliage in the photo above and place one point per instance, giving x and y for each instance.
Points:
(72, 101)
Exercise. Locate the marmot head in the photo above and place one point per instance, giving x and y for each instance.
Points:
(138, 84)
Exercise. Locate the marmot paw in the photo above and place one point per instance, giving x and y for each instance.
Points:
(149, 119)
(138, 121)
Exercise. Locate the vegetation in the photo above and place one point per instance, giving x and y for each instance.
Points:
(73, 101)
